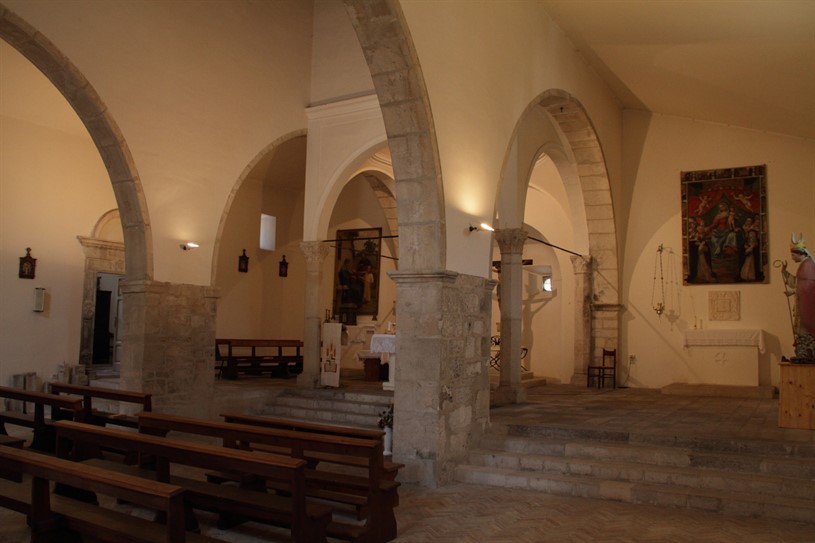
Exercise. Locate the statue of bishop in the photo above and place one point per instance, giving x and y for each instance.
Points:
(801, 286)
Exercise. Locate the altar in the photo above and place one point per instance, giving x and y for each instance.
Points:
(724, 357)
(386, 344)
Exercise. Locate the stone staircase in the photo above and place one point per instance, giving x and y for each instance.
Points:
(360, 408)
(740, 477)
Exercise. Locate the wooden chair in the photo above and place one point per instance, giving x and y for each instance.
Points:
(607, 369)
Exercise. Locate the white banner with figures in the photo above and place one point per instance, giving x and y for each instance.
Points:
(330, 354)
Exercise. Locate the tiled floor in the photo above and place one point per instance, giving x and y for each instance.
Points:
(462, 513)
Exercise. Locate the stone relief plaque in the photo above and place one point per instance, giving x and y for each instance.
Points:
(724, 305)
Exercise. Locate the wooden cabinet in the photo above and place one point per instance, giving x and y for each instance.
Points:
(796, 400)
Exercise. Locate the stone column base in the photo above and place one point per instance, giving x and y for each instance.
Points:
(507, 395)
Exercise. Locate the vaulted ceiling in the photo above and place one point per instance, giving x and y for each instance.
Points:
(748, 63)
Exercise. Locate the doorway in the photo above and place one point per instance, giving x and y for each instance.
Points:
(106, 320)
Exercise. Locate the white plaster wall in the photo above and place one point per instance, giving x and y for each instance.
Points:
(657, 149)
(53, 187)
(483, 63)
(338, 68)
(197, 89)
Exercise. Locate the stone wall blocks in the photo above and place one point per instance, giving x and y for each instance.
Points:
(413, 244)
(599, 212)
(597, 197)
(594, 182)
(398, 86)
(404, 118)
(591, 169)
(603, 226)
(588, 155)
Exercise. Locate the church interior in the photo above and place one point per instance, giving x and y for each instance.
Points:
(460, 209)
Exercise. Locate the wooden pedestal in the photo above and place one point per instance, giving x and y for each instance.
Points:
(796, 400)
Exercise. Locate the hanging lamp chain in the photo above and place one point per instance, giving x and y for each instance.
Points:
(659, 306)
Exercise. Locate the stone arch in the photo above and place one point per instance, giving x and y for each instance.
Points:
(584, 142)
(397, 77)
(247, 171)
(106, 135)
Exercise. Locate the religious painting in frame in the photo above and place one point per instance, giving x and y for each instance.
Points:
(724, 226)
(356, 273)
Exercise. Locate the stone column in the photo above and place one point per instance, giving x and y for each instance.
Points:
(442, 394)
(582, 312)
(315, 253)
(168, 344)
(511, 243)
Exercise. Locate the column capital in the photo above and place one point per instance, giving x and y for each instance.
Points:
(511, 240)
(314, 251)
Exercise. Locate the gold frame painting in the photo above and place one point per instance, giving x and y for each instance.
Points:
(356, 273)
(724, 226)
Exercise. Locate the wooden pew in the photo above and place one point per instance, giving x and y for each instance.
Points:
(362, 487)
(307, 521)
(49, 516)
(279, 357)
(389, 469)
(98, 416)
(62, 407)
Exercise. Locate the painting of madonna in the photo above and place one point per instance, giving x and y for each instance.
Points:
(724, 226)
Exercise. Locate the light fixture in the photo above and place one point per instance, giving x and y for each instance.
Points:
(482, 226)
(189, 246)
(39, 299)
(243, 263)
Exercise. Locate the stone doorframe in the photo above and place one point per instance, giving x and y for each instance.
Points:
(101, 256)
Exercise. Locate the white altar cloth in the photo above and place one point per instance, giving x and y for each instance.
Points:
(729, 338)
(386, 343)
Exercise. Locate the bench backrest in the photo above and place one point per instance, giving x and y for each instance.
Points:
(128, 396)
(303, 426)
(243, 435)
(70, 403)
(144, 492)
(187, 453)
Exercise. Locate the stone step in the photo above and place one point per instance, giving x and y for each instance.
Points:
(668, 495)
(655, 455)
(360, 409)
(632, 471)
(782, 449)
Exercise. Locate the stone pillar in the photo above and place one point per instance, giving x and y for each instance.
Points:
(582, 312)
(442, 395)
(315, 253)
(168, 344)
(511, 243)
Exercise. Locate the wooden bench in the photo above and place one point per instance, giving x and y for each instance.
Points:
(278, 357)
(355, 482)
(62, 407)
(52, 517)
(307, 521)
(99, 416)
(389, 469)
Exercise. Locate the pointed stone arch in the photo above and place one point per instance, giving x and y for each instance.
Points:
(584, 143)
(400, 87)
(106, 135)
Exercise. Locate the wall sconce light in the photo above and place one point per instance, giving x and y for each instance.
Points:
(283, 270)
(189, 246)
(39, 300)
(482, 226)
(243, 262)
